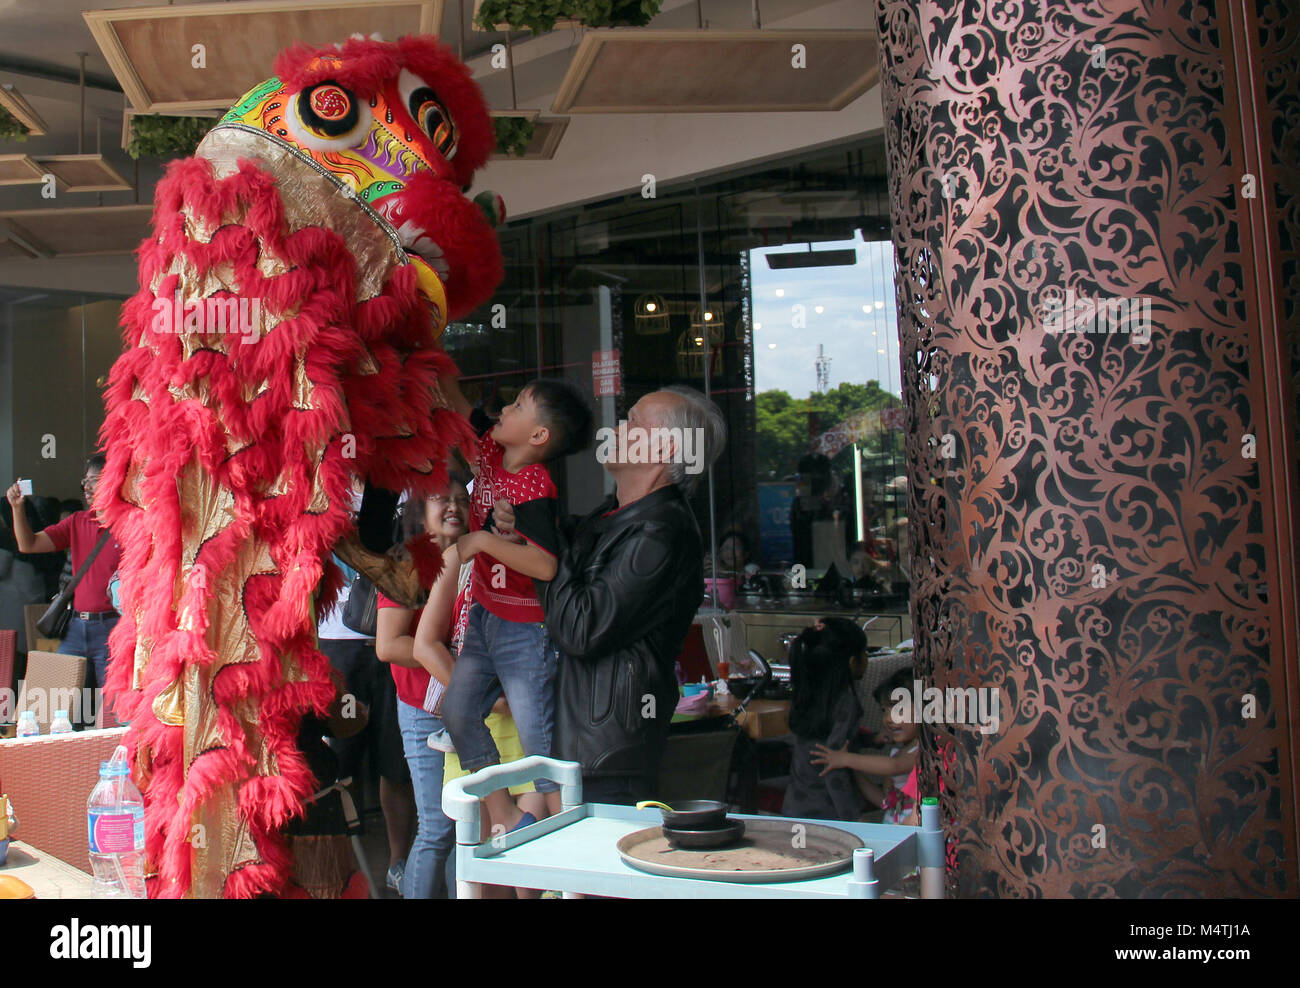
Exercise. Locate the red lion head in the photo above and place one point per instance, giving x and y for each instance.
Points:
(402, 127)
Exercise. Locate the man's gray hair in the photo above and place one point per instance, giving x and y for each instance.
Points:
(694, 411)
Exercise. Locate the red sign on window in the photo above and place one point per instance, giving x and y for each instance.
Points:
(606, 373)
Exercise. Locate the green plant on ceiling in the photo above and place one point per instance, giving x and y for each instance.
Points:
(514, 134)
(539, 16)
(11, 129)
(157, 136)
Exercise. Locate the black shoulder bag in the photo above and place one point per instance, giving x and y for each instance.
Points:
(360, 614)
(54, 622)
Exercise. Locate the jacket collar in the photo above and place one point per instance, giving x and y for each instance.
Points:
(650, 504)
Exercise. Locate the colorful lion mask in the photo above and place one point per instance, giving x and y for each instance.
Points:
(281, 349)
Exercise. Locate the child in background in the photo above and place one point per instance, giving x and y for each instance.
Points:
(824, 710)
(506, 647)
(898, 796)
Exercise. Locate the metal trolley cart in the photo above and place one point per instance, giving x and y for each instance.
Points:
(576, 850)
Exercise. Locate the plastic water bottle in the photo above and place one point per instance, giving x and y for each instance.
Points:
(61, 724)
(27, 726)
(115, 815)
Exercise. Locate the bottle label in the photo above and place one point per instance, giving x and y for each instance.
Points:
(116, 833)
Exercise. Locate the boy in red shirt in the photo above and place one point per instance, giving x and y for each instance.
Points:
(506, 647)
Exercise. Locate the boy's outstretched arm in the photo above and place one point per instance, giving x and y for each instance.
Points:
(522, 557)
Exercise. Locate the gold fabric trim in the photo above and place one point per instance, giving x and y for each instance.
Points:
(302, 387)
(311, 199)
(208, 508)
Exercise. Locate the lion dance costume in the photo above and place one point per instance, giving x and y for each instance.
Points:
(283, 344)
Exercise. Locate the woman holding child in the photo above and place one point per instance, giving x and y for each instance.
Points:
(419, 679)
(438, 640)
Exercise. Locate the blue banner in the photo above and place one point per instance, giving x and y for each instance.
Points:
(775, 538)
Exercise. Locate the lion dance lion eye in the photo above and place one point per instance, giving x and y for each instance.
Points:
(327, 117)
(434, 120)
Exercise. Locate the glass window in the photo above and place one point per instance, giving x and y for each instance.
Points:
(772, 290)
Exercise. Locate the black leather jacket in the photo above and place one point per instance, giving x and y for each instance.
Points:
(625, 591)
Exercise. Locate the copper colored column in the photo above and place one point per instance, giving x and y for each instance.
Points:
(1102, 522)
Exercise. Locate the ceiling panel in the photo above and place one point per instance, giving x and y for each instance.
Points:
(81, 230)
(12, 100)
(84, 173)
(649, 71)
(10, 250)
(151, 49)
(18, 169)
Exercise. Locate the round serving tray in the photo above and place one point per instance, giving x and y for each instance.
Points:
(773, 850)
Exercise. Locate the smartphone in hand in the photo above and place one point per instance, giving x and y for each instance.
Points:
(25, 486)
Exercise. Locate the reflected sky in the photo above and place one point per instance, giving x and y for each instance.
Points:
(785, 354)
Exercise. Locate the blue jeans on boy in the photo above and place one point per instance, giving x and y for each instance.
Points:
(427, 873)
(499, 656)
(90, 640)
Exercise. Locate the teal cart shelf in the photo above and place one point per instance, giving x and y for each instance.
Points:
(576, 850)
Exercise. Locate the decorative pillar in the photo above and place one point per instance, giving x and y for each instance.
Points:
(1100, 373)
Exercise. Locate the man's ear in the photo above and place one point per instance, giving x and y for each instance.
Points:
(667, 448)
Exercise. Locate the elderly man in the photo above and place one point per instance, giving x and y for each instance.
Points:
(626, 587)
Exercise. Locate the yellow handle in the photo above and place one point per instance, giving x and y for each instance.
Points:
(654, 802)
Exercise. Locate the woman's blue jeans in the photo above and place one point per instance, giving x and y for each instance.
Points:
(429, 863)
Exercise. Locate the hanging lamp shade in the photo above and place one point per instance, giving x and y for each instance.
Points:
(710, 317)
(651, 315)
(691, 351)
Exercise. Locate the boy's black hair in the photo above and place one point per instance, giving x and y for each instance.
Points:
(902, 679)
(565, 413)
(820, 674)
(95, 462)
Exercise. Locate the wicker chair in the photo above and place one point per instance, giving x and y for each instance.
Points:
(8, 654)
(35, 642)
(879, 669)
(59, 678)
(49, 780)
